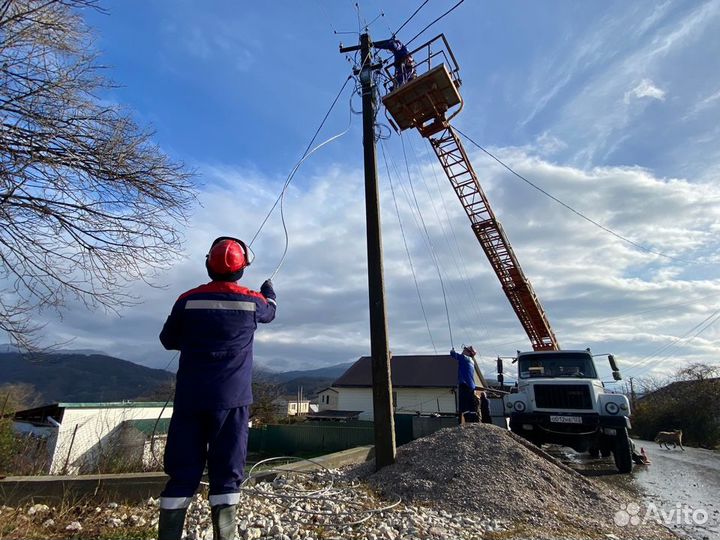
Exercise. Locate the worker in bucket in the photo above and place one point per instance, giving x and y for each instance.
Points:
(468, 402)
(403, 62)
(213, 327)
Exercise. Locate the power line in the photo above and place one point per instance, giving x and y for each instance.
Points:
(396, 32)
(432, 250)
(436, 20)
(578, 213)
(707, 321)
(305, 154)
(468, 306)
(407, 250)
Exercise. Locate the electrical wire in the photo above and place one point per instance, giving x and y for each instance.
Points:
(707, 322)
(282, 194)
(307, 153)
(463, 267)
(471, 308)
(436, 20)
(396, 32)
(432, 250)
(298, 499)
(567, 206)
(157, 421)
(407, 250)
(463, 303)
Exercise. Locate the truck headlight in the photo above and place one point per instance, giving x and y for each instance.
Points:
(612, 408)
(519, 406)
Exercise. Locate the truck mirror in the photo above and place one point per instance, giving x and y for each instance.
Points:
(617, 376)
(613, 365)
(499, 365)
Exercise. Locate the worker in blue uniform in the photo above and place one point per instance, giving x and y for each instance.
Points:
(403, 62)
(468, 402)
(213, 327)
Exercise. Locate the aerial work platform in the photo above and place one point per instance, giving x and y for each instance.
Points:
(427, 103)
(426, 98)
(430, 100)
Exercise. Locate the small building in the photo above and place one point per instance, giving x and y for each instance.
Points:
(291, 405)
(422, 384)
(328, 399)
(89, 437)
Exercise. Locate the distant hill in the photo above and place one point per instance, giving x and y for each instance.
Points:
(88, 376)
(311, 381)
(329, 372)
(73, 377)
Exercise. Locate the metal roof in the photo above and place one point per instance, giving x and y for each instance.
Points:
(416, 371)
(114, 405)
(330, 414)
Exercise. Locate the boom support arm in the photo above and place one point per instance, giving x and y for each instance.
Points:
(490, 234)
(428, 103)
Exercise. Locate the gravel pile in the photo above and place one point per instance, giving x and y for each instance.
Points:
(482, 471)
(471, 482)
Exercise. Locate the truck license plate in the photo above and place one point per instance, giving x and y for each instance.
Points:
(566, 419)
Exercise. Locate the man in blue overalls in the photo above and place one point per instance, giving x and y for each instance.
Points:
(213, 327)
(468, 403)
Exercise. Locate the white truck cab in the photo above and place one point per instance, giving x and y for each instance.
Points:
(559, 399)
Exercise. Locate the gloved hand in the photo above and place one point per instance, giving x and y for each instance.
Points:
(266, 289)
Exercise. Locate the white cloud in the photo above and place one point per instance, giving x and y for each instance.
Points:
(646, 88)
(597, 290)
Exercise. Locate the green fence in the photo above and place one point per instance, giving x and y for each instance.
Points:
(323, 437)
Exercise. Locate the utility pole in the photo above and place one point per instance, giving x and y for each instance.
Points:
(384, 422)
(632, 393)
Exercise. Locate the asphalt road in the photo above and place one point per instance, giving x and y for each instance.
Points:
(681, 489)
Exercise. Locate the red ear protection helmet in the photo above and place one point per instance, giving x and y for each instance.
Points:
(227, 259)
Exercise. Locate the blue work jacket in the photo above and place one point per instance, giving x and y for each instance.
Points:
(466, 369)
(213, 327)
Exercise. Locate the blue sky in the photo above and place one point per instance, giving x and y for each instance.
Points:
(613, 107)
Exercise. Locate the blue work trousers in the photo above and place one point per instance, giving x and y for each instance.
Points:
(196, 438)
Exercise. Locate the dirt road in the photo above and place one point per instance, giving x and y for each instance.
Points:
(680, 489)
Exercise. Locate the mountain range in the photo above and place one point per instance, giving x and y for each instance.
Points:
(90, 376)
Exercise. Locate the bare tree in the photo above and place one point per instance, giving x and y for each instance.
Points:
(88, 203)
(697, 371)
(17, 396)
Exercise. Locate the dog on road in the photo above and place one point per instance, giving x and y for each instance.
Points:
(667, 437)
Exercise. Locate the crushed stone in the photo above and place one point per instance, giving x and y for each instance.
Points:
(485, 472)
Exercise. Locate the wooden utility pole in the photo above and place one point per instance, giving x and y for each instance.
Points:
(384, 422)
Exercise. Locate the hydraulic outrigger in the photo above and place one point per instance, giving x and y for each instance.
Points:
(428, 103)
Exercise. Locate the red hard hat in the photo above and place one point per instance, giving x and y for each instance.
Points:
(227, 256)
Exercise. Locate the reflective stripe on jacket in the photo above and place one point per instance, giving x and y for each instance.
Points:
(213, 327)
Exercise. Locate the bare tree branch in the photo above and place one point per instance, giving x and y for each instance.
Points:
(88, 203)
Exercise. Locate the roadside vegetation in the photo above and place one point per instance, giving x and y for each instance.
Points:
(689, 401)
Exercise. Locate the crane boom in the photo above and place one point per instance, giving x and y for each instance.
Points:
(423, 104)
(492, 238)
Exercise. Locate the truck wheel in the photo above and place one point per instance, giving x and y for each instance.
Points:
(623, 451)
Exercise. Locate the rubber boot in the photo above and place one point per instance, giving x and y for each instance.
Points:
(223, 522)
(170, 526)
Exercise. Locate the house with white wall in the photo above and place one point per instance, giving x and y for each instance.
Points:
(291, 405)
(422, 384)
(328, 399)
(79, 436)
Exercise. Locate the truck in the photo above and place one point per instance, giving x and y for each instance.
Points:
(559, 397)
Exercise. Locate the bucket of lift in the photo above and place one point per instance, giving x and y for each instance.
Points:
(430, 99)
